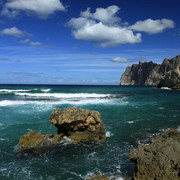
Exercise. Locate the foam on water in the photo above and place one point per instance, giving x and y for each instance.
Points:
(166, 88)
(14, 90)
(108, 134)
(45, 90)
(74, 101)
(65, 95)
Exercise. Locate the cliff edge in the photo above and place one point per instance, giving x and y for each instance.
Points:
(151, 74)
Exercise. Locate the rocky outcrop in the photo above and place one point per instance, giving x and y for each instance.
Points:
(78, 125)
(34, 142)
(141, 74)
(160, 160)
(150, 74)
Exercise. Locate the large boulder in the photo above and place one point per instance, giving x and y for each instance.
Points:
(160, 160)
(78, 124)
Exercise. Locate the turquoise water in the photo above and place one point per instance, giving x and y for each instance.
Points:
(131, 116)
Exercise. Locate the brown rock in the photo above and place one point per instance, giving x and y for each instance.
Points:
(160, 160)
(98, 177)
(79, 124)
(33, 142)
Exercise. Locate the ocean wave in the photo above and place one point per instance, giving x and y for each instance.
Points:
(13, 90)
(45, 90)
(59, 102)
(65, 95)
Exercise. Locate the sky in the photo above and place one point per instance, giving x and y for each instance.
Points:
(88, 42)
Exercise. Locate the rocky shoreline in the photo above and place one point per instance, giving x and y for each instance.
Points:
(160, 160)
(151, 74)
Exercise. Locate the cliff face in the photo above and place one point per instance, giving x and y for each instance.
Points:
(150, 74)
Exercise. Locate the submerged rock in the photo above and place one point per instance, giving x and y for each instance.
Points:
(160, 160)
(79, 124)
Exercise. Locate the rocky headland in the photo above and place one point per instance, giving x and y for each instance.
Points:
(78, 125)
(151, 74)
(160, 160)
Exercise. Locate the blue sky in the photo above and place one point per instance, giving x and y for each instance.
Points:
(83, 41)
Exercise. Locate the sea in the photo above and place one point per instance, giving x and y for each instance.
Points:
(131, 115)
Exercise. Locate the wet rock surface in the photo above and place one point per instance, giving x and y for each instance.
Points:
(78, 125)
(160, 160)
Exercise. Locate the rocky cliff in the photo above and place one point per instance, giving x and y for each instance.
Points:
(151, 74)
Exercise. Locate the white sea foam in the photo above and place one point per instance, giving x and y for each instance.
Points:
(108, 134)
(65, 95)
(166, 88)
(45, 90)
(14, 90)
(2, 139)
(130, 122)
(178, 128)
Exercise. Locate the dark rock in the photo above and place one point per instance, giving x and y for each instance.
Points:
(160, 160)
(141, 74)
(78, 124)
(150, 74)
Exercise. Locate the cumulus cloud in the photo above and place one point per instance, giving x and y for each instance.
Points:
(102, 27)
(13, 31)
(119, 59)
(41, 8)
(105, 28)
(107, 16)
(152, 26)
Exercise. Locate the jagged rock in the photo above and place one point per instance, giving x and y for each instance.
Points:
(160, 160)
(78, 124)
(141, 74)
(34, 142)
(150, 74)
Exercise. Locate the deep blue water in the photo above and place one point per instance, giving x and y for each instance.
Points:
(131, 116)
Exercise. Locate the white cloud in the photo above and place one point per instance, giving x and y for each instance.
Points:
(104, 30)
(41, 8)
(120, 59)
(13, 31)
(35, 43)
(152, 26)
(106, 16)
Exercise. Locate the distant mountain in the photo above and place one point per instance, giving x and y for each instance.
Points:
(151, 74)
